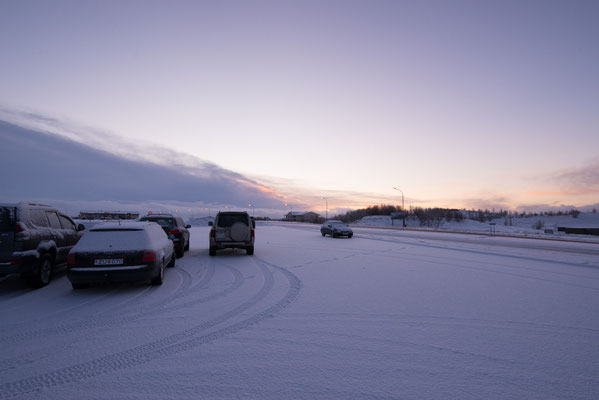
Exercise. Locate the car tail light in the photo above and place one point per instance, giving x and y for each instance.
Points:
(20, 227)
(148, 256)
(253, 235)
(174, 232)
(71, 259)
(16, 261)
(212, 233)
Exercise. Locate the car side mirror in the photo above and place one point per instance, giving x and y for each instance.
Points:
(187, 226)
(209, 223)
(80, 227)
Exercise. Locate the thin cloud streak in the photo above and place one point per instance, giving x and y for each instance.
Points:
(578, 192)
(586, 176)
(579, 181)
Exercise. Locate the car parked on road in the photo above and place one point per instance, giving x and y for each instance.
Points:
(121, 251)
(336, 228)
(174, 226)
(232, 230)
(34, 240)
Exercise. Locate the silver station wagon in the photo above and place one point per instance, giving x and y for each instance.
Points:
(121, 251)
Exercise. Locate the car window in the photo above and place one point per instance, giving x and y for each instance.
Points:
(67, 223)
(7, 218)
(164, 222)
(38, 218)
(114, 240)
(227, 220)
(54, 221)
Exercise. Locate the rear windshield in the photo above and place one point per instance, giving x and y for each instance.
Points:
(114, 240)
(7, 218)
(164, 222)
(226, 220)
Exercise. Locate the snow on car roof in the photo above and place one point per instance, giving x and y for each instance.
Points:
(121, 225)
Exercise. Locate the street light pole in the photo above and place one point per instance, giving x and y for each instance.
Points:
(402, 206)
(253, 210)
(327, 208)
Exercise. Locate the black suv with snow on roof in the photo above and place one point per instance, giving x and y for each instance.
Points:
(175, 227)
(34, 239)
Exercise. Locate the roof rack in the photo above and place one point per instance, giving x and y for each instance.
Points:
(36, 204)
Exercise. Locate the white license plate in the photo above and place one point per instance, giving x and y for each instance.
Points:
(108, 261)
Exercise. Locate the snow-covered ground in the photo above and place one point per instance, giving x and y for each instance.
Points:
(385, 315)
(506, 226)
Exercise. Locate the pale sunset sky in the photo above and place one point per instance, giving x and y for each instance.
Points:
(461, 104)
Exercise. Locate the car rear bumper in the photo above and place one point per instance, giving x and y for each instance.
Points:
(21, 263)
(112, 274)
(8, 268)
(230, 245)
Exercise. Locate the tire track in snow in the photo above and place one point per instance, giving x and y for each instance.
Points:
(481, 252)
(166, 346)
(501, 272)
(238, 280)
(148, 310)
(52, 315)
(95, 321)
(505, 265)
(590, 248)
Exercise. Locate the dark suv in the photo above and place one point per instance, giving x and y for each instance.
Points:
(174, 226)
(34, 239)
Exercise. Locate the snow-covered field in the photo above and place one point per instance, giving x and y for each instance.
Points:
(515, 226)
(385, 315)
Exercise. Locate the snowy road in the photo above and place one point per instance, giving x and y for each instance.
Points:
(384, 315)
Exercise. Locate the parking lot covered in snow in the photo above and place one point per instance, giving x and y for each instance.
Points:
(383, 315)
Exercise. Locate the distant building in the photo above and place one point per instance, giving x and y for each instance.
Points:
(469, 214)
(302, 216)
(107, 215)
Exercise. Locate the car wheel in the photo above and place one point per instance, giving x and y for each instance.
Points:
(78, 286)
(350, 235)
(172, 263)
(180, 252)
(187, 246)
(322, 233)
(160, 278)
(334, 235)
(40, 277)
(212, 251)
(250, 251)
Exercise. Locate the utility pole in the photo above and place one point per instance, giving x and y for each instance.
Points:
(402, 206)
